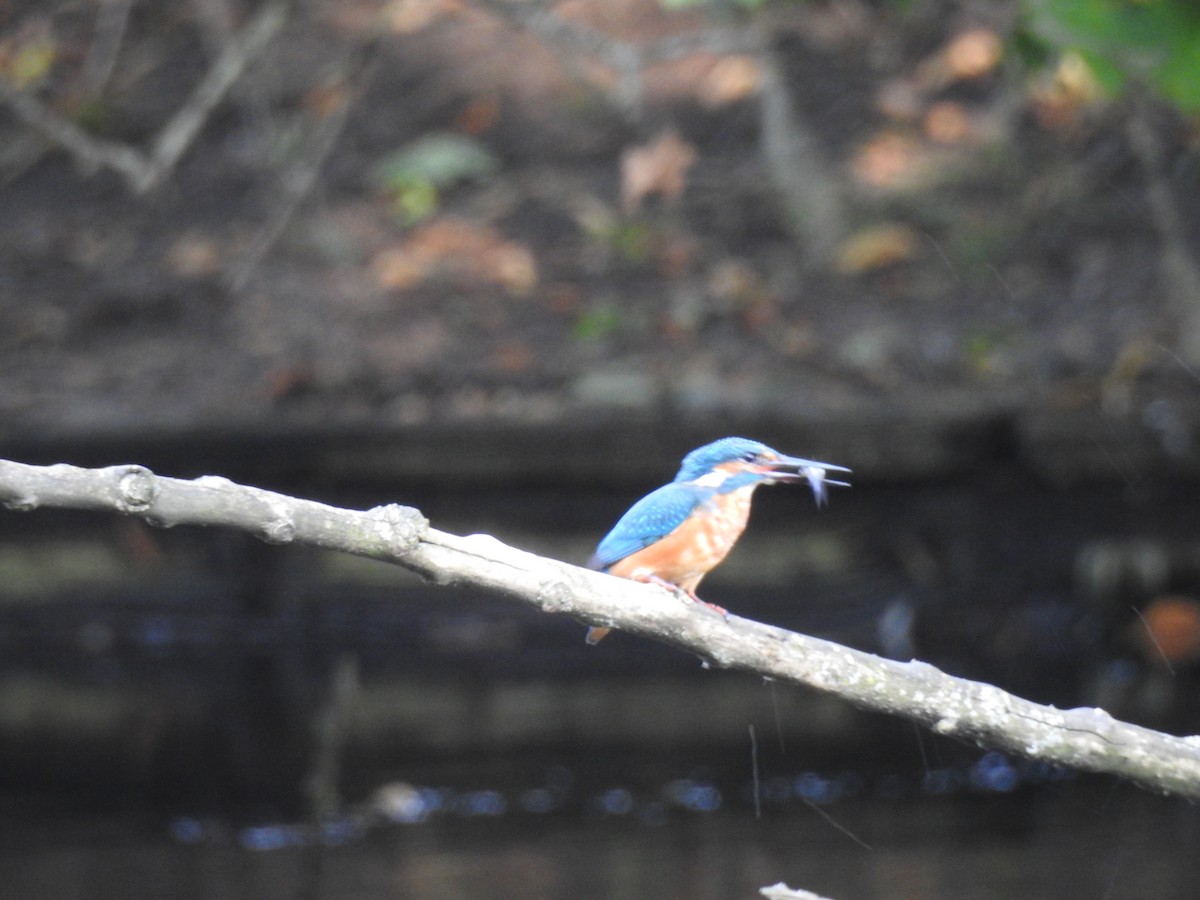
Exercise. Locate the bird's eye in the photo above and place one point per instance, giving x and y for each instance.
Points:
(749, 456)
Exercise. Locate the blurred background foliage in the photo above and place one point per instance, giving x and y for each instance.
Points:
(1154, 43)
(840, 196)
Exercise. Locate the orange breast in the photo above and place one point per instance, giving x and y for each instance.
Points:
(696, 547)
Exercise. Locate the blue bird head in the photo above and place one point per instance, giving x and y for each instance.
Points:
(738, 461)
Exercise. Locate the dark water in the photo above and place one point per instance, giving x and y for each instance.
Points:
(1069, 840)
(166, 701)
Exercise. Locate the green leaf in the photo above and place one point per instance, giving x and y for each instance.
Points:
(596, 323)
(633, 241)
(440, 160)
(1179, 77)
(1107, 73)
(1154, 41)
(1031, 48)
(415, 201)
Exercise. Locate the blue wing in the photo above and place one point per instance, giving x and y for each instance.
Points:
(650, 519)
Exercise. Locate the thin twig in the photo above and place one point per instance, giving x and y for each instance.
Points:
(112, 17)
(299, 182)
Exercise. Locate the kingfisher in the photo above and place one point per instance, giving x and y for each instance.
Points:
(677, 534)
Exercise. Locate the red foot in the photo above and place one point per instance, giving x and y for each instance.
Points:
(684, 594)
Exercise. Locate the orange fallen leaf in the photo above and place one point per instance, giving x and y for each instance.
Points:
(970, 54)
(947, 123)
(475, 254)
(973, 53)
(659, 167)
(733, 78)
(885, 159)
(876, 247)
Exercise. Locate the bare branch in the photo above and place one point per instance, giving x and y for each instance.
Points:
(177, 135)
(143, 171)
(90, 152)
(1086, 739)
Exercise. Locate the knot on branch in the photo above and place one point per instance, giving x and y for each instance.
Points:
(281, 530)
(137, 489)
(401, 527)
(281, 527)
(555, 596)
